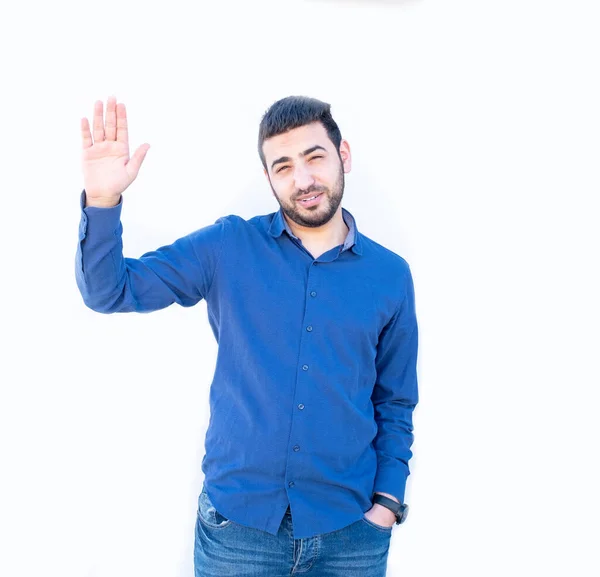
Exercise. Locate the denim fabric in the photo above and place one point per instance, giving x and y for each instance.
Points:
(224, 548)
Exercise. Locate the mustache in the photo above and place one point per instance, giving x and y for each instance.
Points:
(311, 189)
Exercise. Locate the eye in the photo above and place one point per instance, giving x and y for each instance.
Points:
(318, 156)
(281, 169)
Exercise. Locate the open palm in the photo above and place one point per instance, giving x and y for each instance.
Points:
(107, 167)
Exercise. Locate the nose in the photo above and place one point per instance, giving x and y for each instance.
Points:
(302, 177)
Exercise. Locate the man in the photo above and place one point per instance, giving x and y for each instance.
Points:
(315, 382)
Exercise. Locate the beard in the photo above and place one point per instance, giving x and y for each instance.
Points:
(322, 213)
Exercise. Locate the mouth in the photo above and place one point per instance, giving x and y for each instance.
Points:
(311, 200)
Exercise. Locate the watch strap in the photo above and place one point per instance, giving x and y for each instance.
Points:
(399, 509)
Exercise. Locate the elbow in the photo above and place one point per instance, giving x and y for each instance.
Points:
(103, 301)
(112, 303)
(98, 305)
(107, 303)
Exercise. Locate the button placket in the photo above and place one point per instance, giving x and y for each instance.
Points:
(305, 366)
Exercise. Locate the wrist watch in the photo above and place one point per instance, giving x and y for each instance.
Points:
(399, 509)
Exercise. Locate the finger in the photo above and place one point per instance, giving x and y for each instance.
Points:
(111, 118)
(133, 166)
(86, 135)
(122, 132)
(98, 124)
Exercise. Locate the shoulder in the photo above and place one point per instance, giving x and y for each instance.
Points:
(237, 221)
(241, 227)
(388, 259)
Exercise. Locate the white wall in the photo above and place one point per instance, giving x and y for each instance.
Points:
(475, 133)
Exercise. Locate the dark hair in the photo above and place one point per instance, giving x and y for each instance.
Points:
(295, 111)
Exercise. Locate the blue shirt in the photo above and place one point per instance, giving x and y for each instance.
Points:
(315, 382)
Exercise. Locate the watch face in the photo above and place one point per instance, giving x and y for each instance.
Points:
(403, 512)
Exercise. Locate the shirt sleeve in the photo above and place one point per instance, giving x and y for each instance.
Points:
(395, 395)
(181, 272)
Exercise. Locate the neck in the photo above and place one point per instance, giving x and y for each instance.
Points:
(330, 234)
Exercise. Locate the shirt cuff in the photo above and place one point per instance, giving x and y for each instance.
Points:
(97, 220)
(392, 480)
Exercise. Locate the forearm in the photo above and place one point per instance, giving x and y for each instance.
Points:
(99, 257)
(393, 448)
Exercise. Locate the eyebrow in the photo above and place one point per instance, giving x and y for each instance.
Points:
(305, 153)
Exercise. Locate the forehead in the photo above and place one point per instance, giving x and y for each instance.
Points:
(297, 140)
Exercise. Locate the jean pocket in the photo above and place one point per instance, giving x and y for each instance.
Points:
(376, 526)
(208, 514)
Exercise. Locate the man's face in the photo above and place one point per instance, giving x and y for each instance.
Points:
(304, 163)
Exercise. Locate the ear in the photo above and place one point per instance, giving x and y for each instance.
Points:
(346, 155)
(270, 184)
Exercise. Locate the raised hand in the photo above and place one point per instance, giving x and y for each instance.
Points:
(107, 168)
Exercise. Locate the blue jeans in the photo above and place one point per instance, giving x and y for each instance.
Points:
(225, 549)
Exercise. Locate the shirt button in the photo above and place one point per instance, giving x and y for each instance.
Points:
(291, 484)
(300, 406)
(305, 367)
(309, 328)
(296, 447)
(313, 293)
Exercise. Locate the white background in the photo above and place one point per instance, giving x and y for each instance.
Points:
(475, 132)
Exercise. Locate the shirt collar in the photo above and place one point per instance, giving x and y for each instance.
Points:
(353, 240)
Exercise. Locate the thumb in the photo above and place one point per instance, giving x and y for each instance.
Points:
(133, 166)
